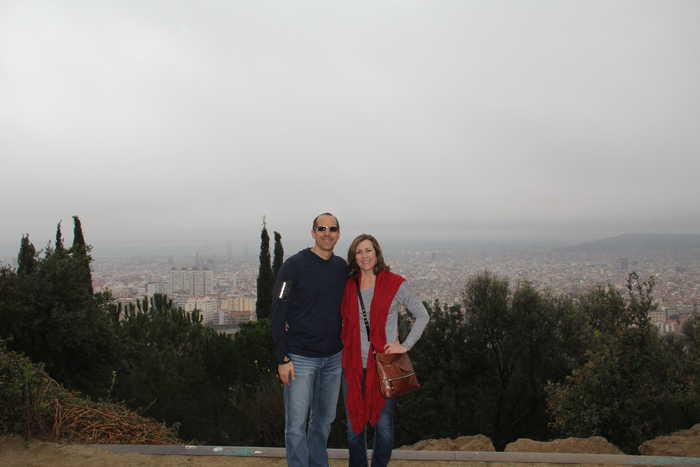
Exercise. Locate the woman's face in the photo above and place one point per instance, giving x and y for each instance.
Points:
(365, 256)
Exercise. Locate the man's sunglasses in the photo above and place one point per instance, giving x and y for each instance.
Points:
(323, 228)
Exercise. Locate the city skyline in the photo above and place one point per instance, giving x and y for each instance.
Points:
(435, 275)
(178, 127)
(200, 255)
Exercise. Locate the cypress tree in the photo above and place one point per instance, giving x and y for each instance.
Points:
(60, 249)
(80, 251)
(26, 259)
(263, 305)
(78, 238)
(279, 255)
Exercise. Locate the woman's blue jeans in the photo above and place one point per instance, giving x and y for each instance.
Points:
(383, 437)
(312, 397)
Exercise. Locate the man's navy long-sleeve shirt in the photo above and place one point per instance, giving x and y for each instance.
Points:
(306, 318)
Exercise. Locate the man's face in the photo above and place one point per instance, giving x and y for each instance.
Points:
(323, 236)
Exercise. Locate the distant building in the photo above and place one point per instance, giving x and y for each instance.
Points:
(207, 306)
(659, 316)
(153, 288)
(622, 265)
(202, 283)
(179, 300)
(177, 281)
(219, 311)
(194, 282)
(237, 310)
(673, 325)
(118, 290)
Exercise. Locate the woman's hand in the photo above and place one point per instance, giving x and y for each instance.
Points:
(395, 348)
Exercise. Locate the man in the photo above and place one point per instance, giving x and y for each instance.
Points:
(306, 333)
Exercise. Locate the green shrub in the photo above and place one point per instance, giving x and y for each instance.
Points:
(26, 395)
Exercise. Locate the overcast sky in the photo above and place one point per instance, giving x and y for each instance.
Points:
(169, 124)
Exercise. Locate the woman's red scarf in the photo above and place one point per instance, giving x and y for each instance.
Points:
(363, 408)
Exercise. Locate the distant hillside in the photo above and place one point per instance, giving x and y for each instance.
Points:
(679, 246)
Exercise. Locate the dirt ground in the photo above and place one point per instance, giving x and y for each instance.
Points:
(15, 453)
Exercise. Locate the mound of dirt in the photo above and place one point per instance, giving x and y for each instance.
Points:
(592, 445)
(684, 443)
(463, 443)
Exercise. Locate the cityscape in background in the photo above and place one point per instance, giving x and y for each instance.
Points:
(223, 292)
(223, 287)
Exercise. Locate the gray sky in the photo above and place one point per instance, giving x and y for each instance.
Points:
(169, 124)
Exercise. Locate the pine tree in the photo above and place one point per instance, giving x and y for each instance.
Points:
(263, 305)
(80, 252)
(26, 259)
(279, 255)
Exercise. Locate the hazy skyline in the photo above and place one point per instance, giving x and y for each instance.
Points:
(166, 125)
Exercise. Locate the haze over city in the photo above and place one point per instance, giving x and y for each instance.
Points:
(176, 127)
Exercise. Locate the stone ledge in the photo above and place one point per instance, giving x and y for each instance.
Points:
(400, 454)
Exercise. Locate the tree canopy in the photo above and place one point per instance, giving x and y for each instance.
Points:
(265, 282)
(508, 361)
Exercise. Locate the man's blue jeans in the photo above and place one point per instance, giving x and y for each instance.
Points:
(383, 437)
(312, 396)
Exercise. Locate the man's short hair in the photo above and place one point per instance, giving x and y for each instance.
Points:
(325, 214)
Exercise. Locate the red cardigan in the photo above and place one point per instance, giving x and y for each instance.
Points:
(363, 408)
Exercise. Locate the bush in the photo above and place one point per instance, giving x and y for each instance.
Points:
(25, 395)
(636, 384)
(34, 404)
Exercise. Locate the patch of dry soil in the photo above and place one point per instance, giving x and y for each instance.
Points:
(15, 453)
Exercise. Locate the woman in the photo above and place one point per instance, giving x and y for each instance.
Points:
(383, 292)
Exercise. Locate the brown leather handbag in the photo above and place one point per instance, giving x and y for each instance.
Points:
(395, 373)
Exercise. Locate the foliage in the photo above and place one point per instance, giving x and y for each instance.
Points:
(632, 389)
(34, 404)
(26, 259)
(58, 247)
(173, 368)
(691, 337)
(441, 358)
(152, 356)
(80, 252)
(279, 256)
(508, 361)
(263, 305)
(522, 339)
(51, 316)
(22, 385)
(258, 394)
(214, 387)
(691, 351)
(634, 384)
(488, 360)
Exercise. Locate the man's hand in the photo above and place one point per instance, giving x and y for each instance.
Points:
(286, 372)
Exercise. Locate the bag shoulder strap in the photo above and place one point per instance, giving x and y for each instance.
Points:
(362, 307)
